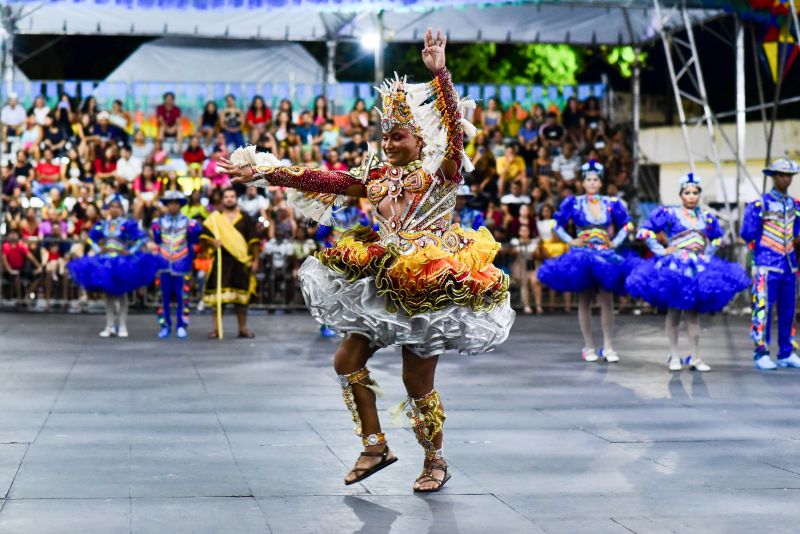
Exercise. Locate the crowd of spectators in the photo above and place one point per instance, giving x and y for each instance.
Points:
(65, 162)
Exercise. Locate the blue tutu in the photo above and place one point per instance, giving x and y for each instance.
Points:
(115, 275)
(583, 269)
(687, 281)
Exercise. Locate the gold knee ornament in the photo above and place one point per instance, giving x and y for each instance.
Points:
(363, 379)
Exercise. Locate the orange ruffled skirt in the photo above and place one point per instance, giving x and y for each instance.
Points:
(432, 300)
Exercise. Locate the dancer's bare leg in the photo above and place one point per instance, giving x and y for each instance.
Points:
(428, 416)
(351, 357)
(606, 301)
(673, 323)
(585, 318)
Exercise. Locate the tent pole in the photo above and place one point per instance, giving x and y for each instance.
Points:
(330, 68)
(782, 56)
(741, 124)
(379, 50)
(637, 108)
(8, 48)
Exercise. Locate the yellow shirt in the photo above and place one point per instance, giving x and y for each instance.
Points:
(510, 171)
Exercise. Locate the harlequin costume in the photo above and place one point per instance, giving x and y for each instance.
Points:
(691, 279)
(771, 225)
(175, 236)
(117, 267)
(418, 281)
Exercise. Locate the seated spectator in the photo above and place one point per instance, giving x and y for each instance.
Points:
(73, 171)
(209, 122)
(12, 117)
(253, 204)
(13, 215)
(354, 149)
(217, 178)
(90, 109)
(329, 138)
(40, 110)
(591, 113)
(19, 265)
(333, 163)
(493, 116)
(169, 128)
(29, 227)
(259, 116)
(572, 116)
(31, 136)
(127, 169)
(567, 165)
(497, 144)
(194, 156)
(525, 217)
(118, 116)
(48, 175)
(358, 118)
(551, 132)
(542, 169)
(105, 165)
(24, 171)
(528, 135)
(63, 114)
(267, 143)
(194, 209)
(54, 137)
(309, 134)
(55, 203)
(512, 121)
(53, 227)
(160, 154)
(232, 120)
(146, 188)
(515, 198)
(322, 113)
(106, 132)
(141, 148)
(511, 168)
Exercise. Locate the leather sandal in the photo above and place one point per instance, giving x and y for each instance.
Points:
(366, 472)
(427, 476)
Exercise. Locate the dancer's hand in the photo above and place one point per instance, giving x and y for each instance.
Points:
(577, 242)
(239, 174)
(670, 250)
(433, 53)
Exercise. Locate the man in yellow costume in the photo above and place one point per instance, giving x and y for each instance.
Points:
(232, 239)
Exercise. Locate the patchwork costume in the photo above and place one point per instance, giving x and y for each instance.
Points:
(418, 281)
(176, 236)
(771, 225)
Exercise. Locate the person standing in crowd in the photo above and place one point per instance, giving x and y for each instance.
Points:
(525, 252)
(169, 123)
(467, 216)
(117, 267)
(232, 121)
(685, 277)
(12, 119)
(591, 266)
(772, 225)
(231, 238)
(175, 235)
(17, 262)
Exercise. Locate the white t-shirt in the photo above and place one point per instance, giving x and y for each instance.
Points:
(568, 168)
(129, 169)
(515, 199)
(12, 116)
(41, 114)
(279, 250)
(253, 206)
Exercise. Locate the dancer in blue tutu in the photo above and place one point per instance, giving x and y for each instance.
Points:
(685, 277)
(591, 266)
(772, 227)
(117, 267)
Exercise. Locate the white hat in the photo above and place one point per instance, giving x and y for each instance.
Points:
(784, 166)
(103, 116)
(13, 95)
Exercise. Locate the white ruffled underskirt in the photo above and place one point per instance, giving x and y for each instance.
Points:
(355, 308)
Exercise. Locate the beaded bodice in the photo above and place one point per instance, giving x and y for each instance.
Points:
(414, 209)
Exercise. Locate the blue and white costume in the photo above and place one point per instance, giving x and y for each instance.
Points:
(176, 236)
(772, 225)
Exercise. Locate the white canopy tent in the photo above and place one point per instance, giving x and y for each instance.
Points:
(176, 59)
(577, 22)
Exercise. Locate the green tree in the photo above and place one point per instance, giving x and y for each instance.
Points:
(622, 58)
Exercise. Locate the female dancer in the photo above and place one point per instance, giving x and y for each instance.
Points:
(419, 282)
(685, 276)
(117, 267)
(591, 265)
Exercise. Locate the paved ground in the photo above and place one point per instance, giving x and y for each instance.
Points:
(250, 436)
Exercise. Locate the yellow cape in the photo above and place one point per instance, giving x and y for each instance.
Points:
(233, 241)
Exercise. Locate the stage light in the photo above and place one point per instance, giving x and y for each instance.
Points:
(370, 41)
